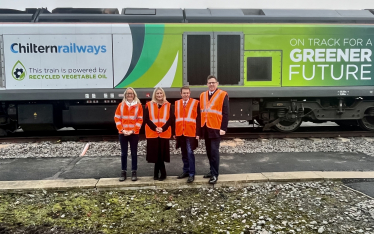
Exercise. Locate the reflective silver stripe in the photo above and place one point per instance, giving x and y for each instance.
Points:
(122, 105)
(125, 117)
(128, 125)
(178, 107)
(140, 117)
(204, 103)
(211, 104)
(117, 116)
(138, 124)
(153, 119)
(190, 112)
(188, 118)
(163, 120)
(132, 117)
(214, 111)
(214, 99)
(136, 111)
(118, 123)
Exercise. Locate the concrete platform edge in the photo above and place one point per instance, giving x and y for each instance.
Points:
(225, 180)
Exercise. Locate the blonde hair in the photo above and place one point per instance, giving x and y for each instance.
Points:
(135, 95)
(154, 95)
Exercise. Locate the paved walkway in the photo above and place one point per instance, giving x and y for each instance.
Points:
(354, 169)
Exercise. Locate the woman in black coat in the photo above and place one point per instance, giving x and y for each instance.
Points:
(159, 120)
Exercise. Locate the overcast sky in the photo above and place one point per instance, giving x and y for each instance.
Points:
(289, 4)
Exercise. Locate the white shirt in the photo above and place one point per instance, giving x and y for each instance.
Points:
(185, 102)
(133, 103)
(211, 92)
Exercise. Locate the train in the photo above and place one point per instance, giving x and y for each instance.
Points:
(69, 67)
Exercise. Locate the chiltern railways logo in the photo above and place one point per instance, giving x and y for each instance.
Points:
(19, 71)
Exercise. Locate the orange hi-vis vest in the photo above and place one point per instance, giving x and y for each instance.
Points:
(129, 118)
(185, 118)
(211, 111)
(159, 116)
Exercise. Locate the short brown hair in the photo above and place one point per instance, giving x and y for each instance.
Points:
(185, 87)
(210, 77)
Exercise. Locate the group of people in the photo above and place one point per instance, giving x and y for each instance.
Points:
(187, 122)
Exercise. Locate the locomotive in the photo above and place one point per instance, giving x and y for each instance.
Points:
(69, 67)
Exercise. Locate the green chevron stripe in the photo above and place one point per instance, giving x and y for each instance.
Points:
(154, 34)
(170, 46)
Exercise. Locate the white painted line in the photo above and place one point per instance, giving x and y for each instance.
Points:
(85, 149)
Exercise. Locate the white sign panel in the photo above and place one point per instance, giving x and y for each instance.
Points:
(58, 61)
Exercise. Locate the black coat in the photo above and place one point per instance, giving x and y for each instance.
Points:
(158, 147)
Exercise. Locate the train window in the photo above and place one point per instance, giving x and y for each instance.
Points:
(228, 63)
(259, 68)
(197, 58)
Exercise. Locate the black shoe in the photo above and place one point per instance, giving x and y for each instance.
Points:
(155, 177)
(190, 179)
(123, 176)
(183, 175)
(162, 178)
(133, 176)
(208, 175)
(213, 180)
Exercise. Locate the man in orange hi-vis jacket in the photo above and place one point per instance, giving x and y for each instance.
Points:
(129, 120)
(187, 131)
(214, 105)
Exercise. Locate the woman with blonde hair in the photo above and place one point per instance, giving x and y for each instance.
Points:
(159, 119)
(129, 119)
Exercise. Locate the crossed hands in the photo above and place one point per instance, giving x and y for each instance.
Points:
(159, 130)
(127, 133)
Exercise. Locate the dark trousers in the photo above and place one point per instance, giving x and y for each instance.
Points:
(160, 164)
(212, 150)
(188, 156)
(124, 142)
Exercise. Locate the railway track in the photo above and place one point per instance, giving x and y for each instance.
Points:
(243, 133)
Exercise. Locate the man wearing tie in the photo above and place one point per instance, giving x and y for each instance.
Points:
(187, 132)
(214, 106)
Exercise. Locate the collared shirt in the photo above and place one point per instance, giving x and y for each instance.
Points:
(211, 92)
(185, 102)
(133, 103)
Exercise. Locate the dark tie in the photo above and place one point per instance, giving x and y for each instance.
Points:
(184, 104)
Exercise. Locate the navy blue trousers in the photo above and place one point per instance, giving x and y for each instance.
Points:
(188, 156)
(124, 142)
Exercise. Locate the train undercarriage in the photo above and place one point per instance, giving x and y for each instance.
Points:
(287, 115)
(277, 114)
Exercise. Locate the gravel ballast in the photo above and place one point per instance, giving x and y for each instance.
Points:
(74, 149)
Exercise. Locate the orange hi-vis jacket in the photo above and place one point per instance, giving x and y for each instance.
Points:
(211, 111)
(129, 118)
(185, 118)
(159, 116)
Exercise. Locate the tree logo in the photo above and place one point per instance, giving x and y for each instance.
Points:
(18, 71)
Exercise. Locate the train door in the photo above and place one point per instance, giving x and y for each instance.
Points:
(214, 53)
(222, 55)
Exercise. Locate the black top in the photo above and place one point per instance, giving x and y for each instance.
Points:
(214, 133)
